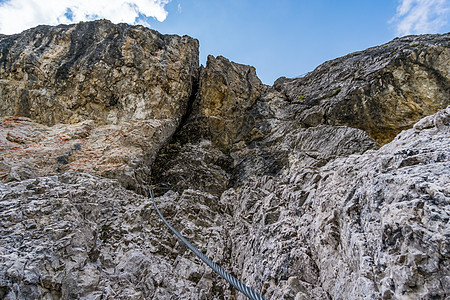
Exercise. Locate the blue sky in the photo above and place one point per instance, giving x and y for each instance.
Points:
(279, 38)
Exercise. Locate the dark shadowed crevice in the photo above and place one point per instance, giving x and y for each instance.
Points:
(190, 104)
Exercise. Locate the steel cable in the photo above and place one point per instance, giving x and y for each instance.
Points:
(251, 294)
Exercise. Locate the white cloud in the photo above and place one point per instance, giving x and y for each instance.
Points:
(18, 15)
(421, 16)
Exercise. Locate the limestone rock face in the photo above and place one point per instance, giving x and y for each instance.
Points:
(96, 71)
(79, 236)
(285, 187)
(123, 88)
(381, 90)
(272, 140)
(226, 90)
(198, 155)
(369, 225)
(363, 226)
(30, 150)
(193, 166)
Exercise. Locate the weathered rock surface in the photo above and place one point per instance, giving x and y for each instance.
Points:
(30, 150)
(124, 88)
(198, 154)
(271, 140)
(78, 236)
(381, 90)
(363, 226)
(370, 226)
(226, 90)
(193, 166)
(96, 71)
(318, 209)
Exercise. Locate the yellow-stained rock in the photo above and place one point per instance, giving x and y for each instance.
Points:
(227, 89)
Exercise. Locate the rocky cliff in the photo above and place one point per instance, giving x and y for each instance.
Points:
(368, 226)
(286, 187)
(126, 89)
(381, 90)
(96, 71)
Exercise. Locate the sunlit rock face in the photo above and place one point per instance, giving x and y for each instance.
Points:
(303, 190)
(382, 90)
(75, 236)
(226, 91)
(123, 89)
(96, 71)
(370, 225)
(121, 151)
